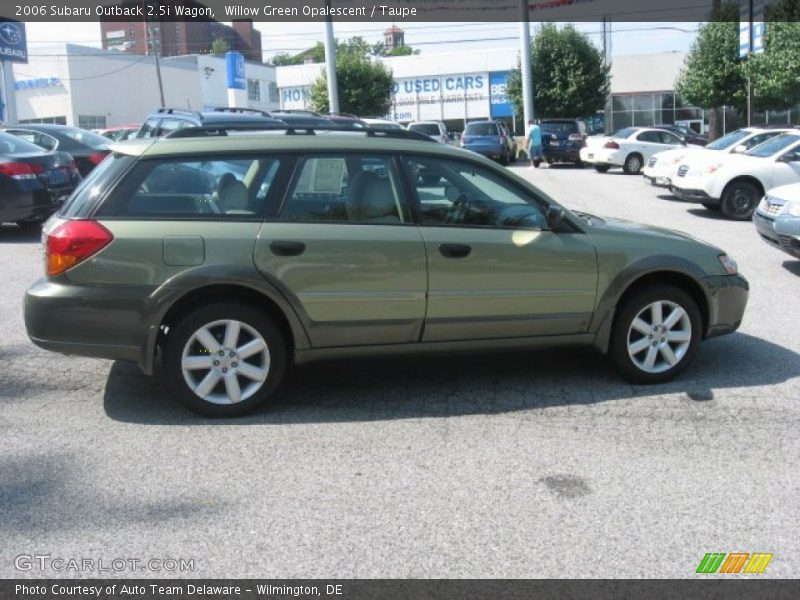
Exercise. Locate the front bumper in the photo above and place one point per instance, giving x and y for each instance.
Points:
(692, 195)
(93, 321)
(768, 228)
(727, 300)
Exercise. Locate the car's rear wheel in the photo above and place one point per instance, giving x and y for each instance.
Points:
(224, 360)
(656, 334)
(602, 168)
(739, 200)
(633, 164)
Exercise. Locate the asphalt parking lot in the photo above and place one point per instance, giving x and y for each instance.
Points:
(528, 464)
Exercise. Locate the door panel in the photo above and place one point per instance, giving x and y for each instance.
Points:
(353, 284)
(512, 284)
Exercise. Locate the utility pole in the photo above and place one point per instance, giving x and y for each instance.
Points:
(607, 114)
(330, 63)
(525, 62)
(151, 38)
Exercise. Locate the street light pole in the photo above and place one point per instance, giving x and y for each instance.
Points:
(330, 63)
(525, 62)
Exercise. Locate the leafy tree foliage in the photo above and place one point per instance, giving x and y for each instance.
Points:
(365, 86)
(569, 77)
(219, 46)
(712, 75)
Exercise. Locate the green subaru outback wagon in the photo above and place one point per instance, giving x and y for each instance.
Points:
(229, 257)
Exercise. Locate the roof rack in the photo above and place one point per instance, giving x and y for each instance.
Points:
(184, 111)
(298, 111)
(241, 110)
(222, 130)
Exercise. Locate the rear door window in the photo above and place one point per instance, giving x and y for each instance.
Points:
(481, 129)
(354, 188)
(215, 189)
(90, 191)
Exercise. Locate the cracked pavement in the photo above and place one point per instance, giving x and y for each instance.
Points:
(521, 464)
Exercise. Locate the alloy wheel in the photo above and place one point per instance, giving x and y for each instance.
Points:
(659, 336)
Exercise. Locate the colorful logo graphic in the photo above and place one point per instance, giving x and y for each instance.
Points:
(735, 562)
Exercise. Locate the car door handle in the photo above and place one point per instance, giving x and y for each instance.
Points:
(282, 248)
(455, 250)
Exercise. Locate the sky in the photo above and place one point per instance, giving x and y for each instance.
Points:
(429, 38)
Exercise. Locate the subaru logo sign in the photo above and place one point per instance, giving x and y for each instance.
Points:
(235, 67)
(13, 43)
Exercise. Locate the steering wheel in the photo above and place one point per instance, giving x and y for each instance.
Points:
(458, 211)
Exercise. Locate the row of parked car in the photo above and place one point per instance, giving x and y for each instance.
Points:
(750, 173)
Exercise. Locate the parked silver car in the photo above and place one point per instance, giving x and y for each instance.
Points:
(777, 218)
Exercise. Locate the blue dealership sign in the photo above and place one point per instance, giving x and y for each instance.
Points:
(13, 41)
(498, 95)
(234, 62)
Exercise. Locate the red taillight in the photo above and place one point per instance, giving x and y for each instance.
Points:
(73, 242)
(96, 157)
(19, 170)
(612, 145)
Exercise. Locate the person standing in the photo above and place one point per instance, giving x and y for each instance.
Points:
(535, 152)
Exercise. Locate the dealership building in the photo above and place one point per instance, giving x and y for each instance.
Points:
(95, 88)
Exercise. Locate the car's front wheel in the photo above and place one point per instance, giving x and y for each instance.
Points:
(224, 360)
(739, 200)
(656, 334)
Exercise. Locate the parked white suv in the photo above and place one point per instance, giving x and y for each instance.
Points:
(662, 167)
(733, 183)
(629, 148)
(435, 130)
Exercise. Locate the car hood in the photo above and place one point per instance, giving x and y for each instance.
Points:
(623, 227)
(785, 193)
(679, 153)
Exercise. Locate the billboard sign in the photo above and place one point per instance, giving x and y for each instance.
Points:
(234, 62)
(13, 41)
(499, 103)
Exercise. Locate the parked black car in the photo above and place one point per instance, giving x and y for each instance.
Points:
(687, 134)
(33, 183)
(562, 140)
(164, 121)
(86, 148)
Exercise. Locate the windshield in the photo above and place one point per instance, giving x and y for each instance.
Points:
(11, 144)
(481, 129)
(727, 141)
(773, 146)
(94, 141)
(560, 127)
(624, 133)
(426, 128)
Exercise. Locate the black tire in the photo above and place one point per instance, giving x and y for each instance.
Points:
(183, 331)
(714, 207)
(504, 159)
(579, 164)
(739, 200)
(623, 332)
(633, 164)
(602, 168)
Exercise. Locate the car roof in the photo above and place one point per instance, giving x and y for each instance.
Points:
(279, 141)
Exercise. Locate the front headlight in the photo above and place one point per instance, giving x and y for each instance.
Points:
(728, 264)
(791, 208)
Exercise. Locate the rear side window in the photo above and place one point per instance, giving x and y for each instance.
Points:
(14, 144)
(83, 200)
(149, 129)
(41, 140)
(481, 129)
(345, 188)
(232, 189)
(86, 138)
(649, 136)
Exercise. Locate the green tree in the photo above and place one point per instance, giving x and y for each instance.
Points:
(219, 46)
(365, 86)
(712, 75)
(569, 77)
(776, 72)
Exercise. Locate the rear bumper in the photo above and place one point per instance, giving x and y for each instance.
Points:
(88, 321)
(562, 154)
(488, 151)
(727, 301)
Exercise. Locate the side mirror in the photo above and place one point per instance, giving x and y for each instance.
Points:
(554, 216)
(740, 149)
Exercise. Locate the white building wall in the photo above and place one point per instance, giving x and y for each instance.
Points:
(123, 88)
